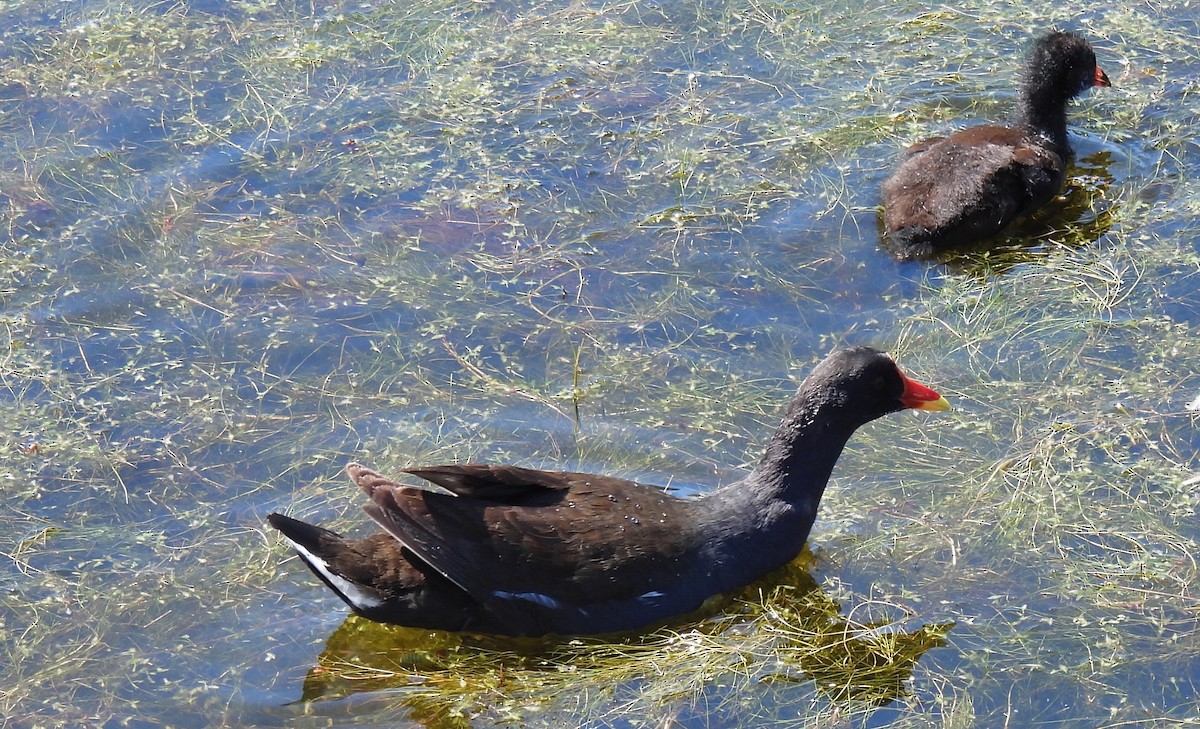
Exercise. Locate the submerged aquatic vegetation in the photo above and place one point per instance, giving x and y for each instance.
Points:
(786, 634)
(244, 243)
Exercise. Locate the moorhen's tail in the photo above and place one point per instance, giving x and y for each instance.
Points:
(320, 549)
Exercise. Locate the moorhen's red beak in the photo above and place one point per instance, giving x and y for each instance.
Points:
(1101, 78)
(920, 397)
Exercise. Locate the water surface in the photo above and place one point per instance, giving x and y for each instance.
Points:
(245, 243)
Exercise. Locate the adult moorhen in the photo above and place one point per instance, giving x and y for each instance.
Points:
(522, 552)
(960, 189)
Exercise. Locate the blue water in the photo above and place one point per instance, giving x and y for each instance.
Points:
(243, 245)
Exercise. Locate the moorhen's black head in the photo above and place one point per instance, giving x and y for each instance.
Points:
(860, 384)
(1061, 66)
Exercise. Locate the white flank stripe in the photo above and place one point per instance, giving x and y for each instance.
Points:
(536, 598)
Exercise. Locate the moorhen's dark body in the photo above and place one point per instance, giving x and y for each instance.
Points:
(960, 189)
(518, 551)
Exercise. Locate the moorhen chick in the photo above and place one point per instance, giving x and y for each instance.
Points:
(960, 189)
(523, 552)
